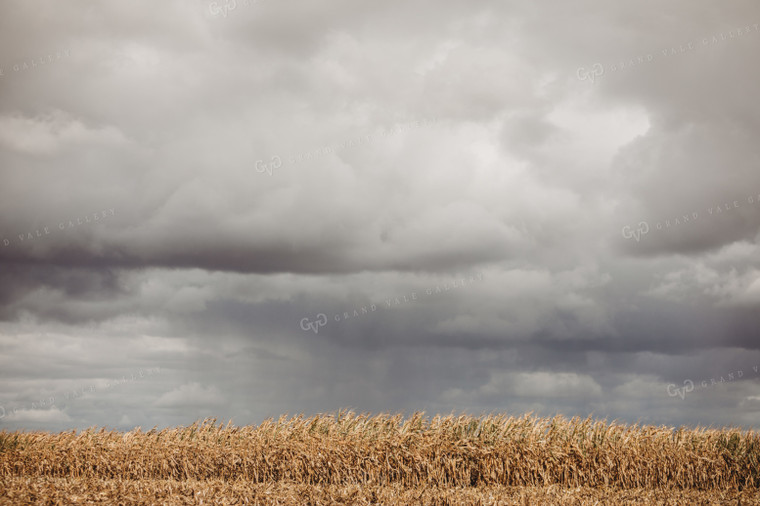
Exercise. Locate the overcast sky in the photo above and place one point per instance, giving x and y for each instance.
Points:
(243, 209)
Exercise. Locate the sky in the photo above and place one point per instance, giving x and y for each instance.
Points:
(244, 209)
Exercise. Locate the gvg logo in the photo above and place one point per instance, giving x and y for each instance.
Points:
(643, 229)
(229, 5)
(262, 166)
(597, 70)
(321, 321)
(390, 302)
(688, 386)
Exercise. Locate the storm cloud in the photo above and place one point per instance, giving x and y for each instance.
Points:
(247, 208)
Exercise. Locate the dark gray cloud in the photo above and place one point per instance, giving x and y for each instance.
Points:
(242, 209)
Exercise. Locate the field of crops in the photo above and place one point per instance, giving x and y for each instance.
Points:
(361, 459)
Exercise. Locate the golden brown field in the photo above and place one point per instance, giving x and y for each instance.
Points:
(361, 459)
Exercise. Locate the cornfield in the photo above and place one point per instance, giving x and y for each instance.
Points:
(362, 459)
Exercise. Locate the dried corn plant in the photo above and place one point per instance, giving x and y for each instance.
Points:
(346, 450)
